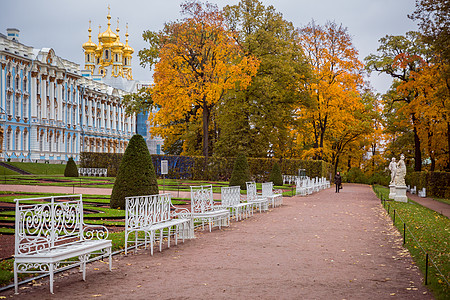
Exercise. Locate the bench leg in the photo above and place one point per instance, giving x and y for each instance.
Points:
(51, 277)
(110, 259)
(168, 237)
(16, 282)
(161, 236)
(152, 237)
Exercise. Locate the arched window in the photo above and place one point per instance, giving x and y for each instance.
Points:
(17, 140)
(74, 143)
(17, 83)
(56, 109)
(41, 142)
(106, 54)
(117, 57)
(8, 139)
(8, 104)
(17, 106)
(38, 87)
(56, 143)
(50, 142)
(25, 107)
(25, 85)
(8, 80)
(25, 140)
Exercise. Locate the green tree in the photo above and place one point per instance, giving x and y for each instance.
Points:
(275, 175)
(136, 175)
(241, 173)
(253, 119)
(71, 169)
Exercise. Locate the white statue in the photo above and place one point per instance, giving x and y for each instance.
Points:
(393, 169)
(401, 172)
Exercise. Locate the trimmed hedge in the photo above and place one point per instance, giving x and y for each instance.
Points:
(136, 176)
(275, 176)
(437, 184)
(71, 169)
(214, 168)
(240, 174)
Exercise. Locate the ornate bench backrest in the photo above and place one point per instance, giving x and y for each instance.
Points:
(251, 191)
(57, 220)
(201, 199)
(267, 189)
(143, 211)
(231, 195)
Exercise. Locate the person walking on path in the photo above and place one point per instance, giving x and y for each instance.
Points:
(337, 181)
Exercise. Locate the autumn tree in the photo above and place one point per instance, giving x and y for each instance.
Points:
(398, 57)
(196, 62)
(260, 117)
(334, 98)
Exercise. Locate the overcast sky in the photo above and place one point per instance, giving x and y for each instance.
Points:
(62, 25)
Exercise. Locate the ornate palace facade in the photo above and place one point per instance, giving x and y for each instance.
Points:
(51, 110)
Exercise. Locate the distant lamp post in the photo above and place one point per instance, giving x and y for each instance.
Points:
(270, 152)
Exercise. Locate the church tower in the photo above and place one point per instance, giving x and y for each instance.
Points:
(109, 58)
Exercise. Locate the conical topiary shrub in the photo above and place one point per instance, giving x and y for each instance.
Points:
(275, 175)
(240, 174)
(136, 175)
(71, 169)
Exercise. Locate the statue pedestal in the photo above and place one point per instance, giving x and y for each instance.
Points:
(392, 191)
(400, 194)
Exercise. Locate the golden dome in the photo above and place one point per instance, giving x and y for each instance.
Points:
(89, 45)
(117, 45)
(107, 37)
(127, 50)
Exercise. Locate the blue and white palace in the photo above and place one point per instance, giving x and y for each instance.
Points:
(51, 110)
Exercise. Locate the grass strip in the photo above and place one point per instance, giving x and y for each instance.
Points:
(432, 235)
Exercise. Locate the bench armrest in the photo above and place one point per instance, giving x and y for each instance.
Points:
(98, 232)
(176, 212)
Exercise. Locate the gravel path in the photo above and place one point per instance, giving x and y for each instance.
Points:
(324, 246)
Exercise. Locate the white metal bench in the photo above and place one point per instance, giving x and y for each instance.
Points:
(93, 172)
(149, 214)
(413, 190)
(231, 199)
(275, 198)
(422, 193)
(204, 210)
(50, 233)
(258, 201)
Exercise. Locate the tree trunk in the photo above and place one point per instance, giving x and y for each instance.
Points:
(206, 113)
(448, 143)
(417, 151)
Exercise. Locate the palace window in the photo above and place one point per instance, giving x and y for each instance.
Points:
(50, 143)
(8, 80)
(41, 142)
(38, 87)
(56, 143)
(8, 104)
(17, 108)
(17, 83)
(107, 54)
(16, 139)
(25, 83)
(74, 143)
(25, 107)
(56, 110)
(25, 140)
(39, 113)
(8, 140)
(117, 57)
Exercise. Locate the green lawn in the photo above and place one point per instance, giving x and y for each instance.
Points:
(39, 168)
(432, 234)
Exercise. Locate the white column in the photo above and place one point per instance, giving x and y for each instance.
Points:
(44, 99)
